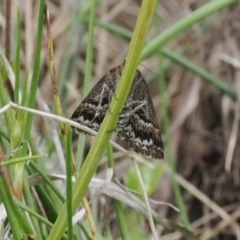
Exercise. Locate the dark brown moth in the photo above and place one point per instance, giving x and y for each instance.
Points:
(137, 123)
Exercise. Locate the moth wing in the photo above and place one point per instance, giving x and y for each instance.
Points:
(142, 131)
(85, 113)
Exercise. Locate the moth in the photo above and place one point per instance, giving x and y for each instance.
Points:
(137, 123)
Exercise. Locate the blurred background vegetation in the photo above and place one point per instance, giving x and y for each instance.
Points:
(191, 64)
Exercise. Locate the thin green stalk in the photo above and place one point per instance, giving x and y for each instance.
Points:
(17, 220)
(166, 65)
(85, 231)
(24, 92)
(4, 100)
(168, 143)
(39, 217)
(87, 75)
(117, 204)
(80, 149)
(99, 145)
(123, 32)
(179, 59)
(33, 168)
(47, 201)
(20, 160)
(29, 202)
(36, 69)
(86, 89)
(183, 24)
(206, 76)
(110, 156)
(4, 134)
(9, 206)
(90, 220)
(89, 57)
(69, 182)
(121, 219)
(169, 149)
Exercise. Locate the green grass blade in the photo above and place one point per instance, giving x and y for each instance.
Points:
(4, 100)
(33, 168)
(99, 145)
(117, 204)
(9, 206)
(169, 149)
(87, 76)
(206, 76)
(36, 69)
(20, 160)
(38, 217)
(69, 182)
(29, 201)
(180, 60)
(4, 134)
(123, 32)
(17, 220)
(183, 24)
